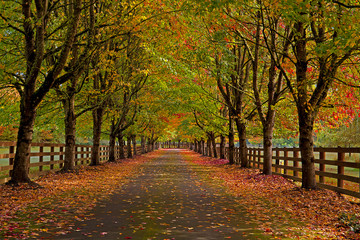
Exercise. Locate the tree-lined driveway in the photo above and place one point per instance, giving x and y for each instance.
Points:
(168, 201)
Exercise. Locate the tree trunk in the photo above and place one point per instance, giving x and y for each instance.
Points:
(242, 144)
(129, 151)
(97, 124)
(148, 145)
(222, 146)
(268, 130)
(20, 172)
(133, 139)
(143, 145)
(208, 145)
(213, 143)
(306, 143)
(32, 91)
(305, 111)
(231, 142)
(112, 143)
(70, 131)
(121, 146)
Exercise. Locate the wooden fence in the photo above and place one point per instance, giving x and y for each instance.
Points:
(45, 157)
(337, 169)
(170, 144)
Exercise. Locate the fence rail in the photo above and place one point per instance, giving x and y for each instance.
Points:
(45, 157)
(336, 169)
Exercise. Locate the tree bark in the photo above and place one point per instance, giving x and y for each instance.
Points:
(20, 171)
(112, 143)
(268, 152)
(306, 143)
(208, 145)
(133, 138)
(129, 150)
(305, 113)
(70, 132)
(222, 146)
(97, 124)
(148, 145)
(143, 145)
(121, 146)
(231, 148)
(242, 144)
(213, 143)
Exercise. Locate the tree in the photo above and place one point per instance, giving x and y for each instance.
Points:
(35, 78)
(132, 72)
(322, 42)
(68, 91)
(267, 93)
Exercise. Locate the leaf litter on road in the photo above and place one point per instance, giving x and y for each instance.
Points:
(321, 214)
(25, 211)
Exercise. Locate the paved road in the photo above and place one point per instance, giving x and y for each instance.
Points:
(167, 201)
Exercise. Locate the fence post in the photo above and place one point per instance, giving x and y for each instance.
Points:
(253, 158)
(11, 159)
(296, 162)
(286, 154)
(52, 157)
(41, 158)
(236, 150)
(76, 155)
(277, 161)
(249, 156)
(88, 151)
(341, 158)
(117, 152)
(61, 149)
(82, 155)
(259, 158)
(322, 167)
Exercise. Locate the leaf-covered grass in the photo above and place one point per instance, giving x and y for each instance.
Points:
(273, 198)
(26, 211)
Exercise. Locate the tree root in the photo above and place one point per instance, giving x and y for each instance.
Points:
(67, 171)
(28, 184)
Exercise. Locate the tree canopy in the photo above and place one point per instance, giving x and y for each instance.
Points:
(246, 71)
